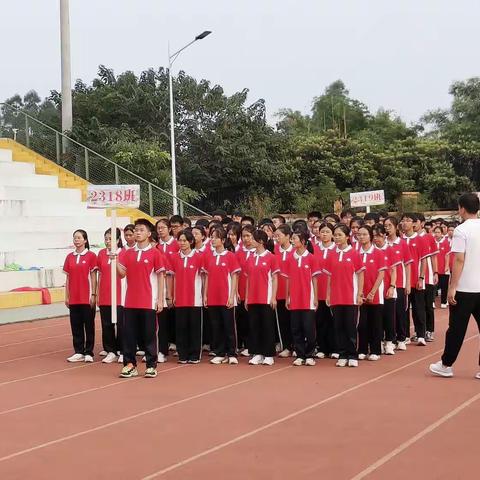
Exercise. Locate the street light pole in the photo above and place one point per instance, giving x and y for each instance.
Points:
(171, 59)
(66, 70)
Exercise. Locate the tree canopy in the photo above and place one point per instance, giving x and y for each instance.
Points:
(229, 157)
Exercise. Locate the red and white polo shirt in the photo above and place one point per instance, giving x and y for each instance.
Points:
(322, 255)
(393, 259)
(220, 267)
(78, 267)
(187, 270)
(104, 266)
(282, 257)
(243, 255)
(433, 250)
(400, 250)
(443, 249)
(142, 267)
(419, 250)
(168, 248)
(343, 267)
(260, 271)
(374, 261)
(301, 271)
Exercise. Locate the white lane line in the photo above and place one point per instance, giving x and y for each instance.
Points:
(28, 357)
(83, 392)
(139, 415)
(281, 420)
(386, 458)
(35, 340)
(10, 332)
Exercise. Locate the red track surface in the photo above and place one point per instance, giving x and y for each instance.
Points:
(386, 419)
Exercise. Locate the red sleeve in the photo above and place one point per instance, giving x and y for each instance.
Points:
(274, 266)
(433, 245)
(327, 264)
(122, 258)
(357, 262)
(158, 262)
(316, 268)
(66, 264)
(381, 262)
(233, 265)
(407, 257)
(93, 262)
(423, 248)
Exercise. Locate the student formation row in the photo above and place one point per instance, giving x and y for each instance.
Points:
(334, 287)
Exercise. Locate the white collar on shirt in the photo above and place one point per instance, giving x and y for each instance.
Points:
(168, 242)
(137, 249)
(260, 254)
(370, 250)
(288, 249)
(385, 246)
(406, 237)
(395, 242)
(190, 255)
(332, 246)
(215, 254)
(81, 253)
(303, 255)
(345, 250)
(251, 250)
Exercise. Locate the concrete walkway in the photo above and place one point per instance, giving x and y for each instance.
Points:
(27, 314)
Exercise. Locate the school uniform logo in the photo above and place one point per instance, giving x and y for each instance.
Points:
(371, 261)
(83, 261)
(145, 261)
(264, 264)
(224, 264)
(349, 259)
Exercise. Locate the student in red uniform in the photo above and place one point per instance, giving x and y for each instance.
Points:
(144, 268)
(332, 219)
(402, 283)
(278, 220)
(220, 296)
(431, 276)
(283, 252)
(176, 226)
(261, 301)
(112, 341)
(370, 328)
(234, 232)
(243, 254)
(443, 277)
(355, 224)
(166, 318)
(393, 258)
(313, 217)
(129, 236)
(186, 267)
(326, 344)
(80, 298)
(419, 252)
(344, 294)
(301, 297)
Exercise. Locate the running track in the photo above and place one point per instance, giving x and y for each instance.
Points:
(386, 419)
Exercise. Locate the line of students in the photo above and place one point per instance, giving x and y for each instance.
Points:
(337, 287)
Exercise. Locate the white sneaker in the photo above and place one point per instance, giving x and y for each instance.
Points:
(310, 362)
(278, 348)
(294, 354)
(256, 360)
(110, 358)
(268, 361)
(144, 359)
(434, 306)
(103, 353)
(244, 353)
(362, 356)
(335, 356)
(444, 305)
(172, 347)
(441, 370)
(76, 357)
(341, 362)
(88, 358)
(382, 347)
(206, 348)
(232, 361)
(120, 358)
(320, 355)
(408, 341)
(373, 358)
(140, 353)
(477, 376)
(298, 362)
(389, 348)
(353, 363)
(218, 360)
(284, 353)
(402, 346)
(161, 358)
(421, 342)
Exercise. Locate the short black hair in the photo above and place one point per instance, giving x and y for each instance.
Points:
(219, 213)
(187, 221)
(382, 214)
(281, 218)
(371, 216)
(248, 218)
(411, 215)
(314, 213)
(202, 222)
(421, 217)
(146, 222)
(176, 219)
(358, 220)
(470, 202)
(344, 213)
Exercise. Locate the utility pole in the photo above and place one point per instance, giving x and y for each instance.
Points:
(66, 70)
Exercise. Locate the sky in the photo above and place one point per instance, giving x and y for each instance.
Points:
(400, 55)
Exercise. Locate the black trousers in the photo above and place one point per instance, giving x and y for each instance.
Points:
(188, 321)
(82, 323)
(140, 339)
(164, 319)
(388, 320)
(261, 340)
(284, 325)
(303, 332)
(224, 339)
(148, 320)
(325, 329)
(467, 304)
(111, 337)
(242, 324)
(370, 329)
(206, 328)
(417, 301)
(429, 311)
(401, 315)
(443, 280)
(345, 323)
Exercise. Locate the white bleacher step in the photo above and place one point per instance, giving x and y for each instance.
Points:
(39, 208)
(30, 181)
(53, 194)
(43, 278)
(16, 169)
(5, 155)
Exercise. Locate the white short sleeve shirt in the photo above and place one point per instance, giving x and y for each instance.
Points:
(466, 239)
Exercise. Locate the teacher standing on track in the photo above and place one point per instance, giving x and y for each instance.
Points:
(464, 289)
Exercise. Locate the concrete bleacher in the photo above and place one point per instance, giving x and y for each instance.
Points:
(37, 220)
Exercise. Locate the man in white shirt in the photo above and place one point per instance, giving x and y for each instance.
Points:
(464, 289)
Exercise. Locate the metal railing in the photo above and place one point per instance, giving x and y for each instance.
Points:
(85, 162)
